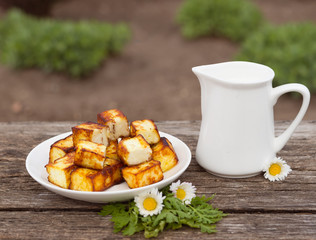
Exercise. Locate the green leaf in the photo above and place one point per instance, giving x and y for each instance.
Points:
(174, 226)
(120, 221)
(208, 228)
(203, 212)
(133, 226)
(154, 231)
(112, 209)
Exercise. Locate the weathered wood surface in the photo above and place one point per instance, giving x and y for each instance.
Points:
(257, 208)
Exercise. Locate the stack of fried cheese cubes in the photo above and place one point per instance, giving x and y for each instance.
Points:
(98, 155)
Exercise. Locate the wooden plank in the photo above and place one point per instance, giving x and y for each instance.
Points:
(297, 193)
(88, 225)
(258, 208)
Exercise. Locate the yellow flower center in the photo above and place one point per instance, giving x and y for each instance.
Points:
(180, 194)
(275, 169)
(150, 204)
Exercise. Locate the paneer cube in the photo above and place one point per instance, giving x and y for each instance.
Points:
(116, 121)
(61, 148)
(59, 172)
(85, 179)
(133, 151)
(114, 168)
(143, 174)
(163, 152)
(90, 180)
(90, 131)
(111, 150)
(147, 128)
(90, 155)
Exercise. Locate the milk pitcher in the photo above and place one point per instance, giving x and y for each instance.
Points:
(237, 129)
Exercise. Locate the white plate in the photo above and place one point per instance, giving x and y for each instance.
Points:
(38, 158)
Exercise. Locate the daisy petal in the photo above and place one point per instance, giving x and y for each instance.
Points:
(184, 191)
(150, 203)
(276, 169)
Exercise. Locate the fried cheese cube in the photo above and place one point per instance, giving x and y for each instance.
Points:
(91, 180)
(114, 167)
(90, 131)
(133, 151)
(59, 172)
(143, 174)
(90, 155)
(111, 150)
(147, 128)
(116, 121)
(163, 152)
(61, 148)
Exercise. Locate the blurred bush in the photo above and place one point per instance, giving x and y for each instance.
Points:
(226, 18)
(290, 50)
(76, 48)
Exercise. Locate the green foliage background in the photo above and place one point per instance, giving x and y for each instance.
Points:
(76, 48)
(233, 19)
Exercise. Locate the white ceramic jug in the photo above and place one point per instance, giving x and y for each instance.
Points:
(237, 129)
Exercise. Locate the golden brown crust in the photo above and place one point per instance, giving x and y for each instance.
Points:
(59, 172)
(124, 149)
(111, 150)
(116, 122)
(143, 174)
(164, 152)
(109, 115)
(90, 155)
(147, 128)
(138, 125)
(60, 148)
(85, 131)
(114, 169)
(66, 143)
(85, 179)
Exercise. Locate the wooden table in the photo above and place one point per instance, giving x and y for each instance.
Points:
(258, 209)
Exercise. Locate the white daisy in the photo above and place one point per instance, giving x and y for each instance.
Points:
(276, 170)
(184, 191)
(149, 203)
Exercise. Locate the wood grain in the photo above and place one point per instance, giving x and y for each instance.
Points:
(258, 208)
(89, 225)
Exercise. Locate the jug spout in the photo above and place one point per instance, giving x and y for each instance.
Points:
(201, 72)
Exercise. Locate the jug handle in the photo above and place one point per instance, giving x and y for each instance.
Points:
(281, 140)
